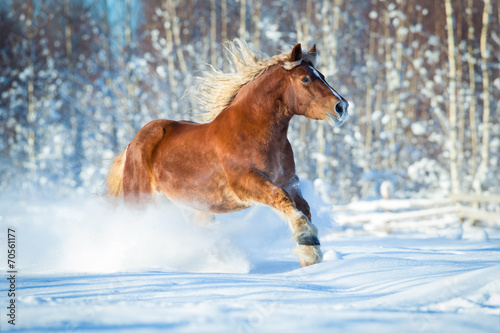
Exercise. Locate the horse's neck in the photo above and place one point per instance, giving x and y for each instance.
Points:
(258, 106)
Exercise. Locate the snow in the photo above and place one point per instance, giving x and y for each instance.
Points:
(418, 128)
(83, 266)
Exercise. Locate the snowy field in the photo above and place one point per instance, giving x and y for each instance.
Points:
(83, 267)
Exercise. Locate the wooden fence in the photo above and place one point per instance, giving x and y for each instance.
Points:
(385, 212)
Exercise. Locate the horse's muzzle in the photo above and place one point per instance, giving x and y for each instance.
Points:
(341, 108)
(340, 116)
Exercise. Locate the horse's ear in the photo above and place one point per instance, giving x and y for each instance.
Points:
(312, 51)
(296, 54)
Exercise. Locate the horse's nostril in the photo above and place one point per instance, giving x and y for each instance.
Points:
(339, 108)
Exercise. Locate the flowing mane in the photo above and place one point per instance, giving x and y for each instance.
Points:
(216, 89)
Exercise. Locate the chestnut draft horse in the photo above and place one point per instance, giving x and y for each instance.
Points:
(240, 155)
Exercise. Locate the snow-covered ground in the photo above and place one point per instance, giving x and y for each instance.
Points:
(82, 266)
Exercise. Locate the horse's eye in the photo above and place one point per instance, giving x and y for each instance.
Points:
(306, 79)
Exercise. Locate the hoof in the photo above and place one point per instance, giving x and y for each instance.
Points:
(305, 264)
(308, 255)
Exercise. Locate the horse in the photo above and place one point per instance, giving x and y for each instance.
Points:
(239, 155)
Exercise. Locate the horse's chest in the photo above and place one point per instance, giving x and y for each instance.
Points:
(274, 164)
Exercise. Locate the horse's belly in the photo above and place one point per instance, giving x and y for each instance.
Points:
(202, 191)
(212, 201)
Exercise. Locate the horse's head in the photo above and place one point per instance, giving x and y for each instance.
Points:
(309, 94)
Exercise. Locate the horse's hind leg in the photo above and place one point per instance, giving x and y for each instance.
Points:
(139, 182)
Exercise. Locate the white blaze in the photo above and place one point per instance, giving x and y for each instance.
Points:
(333, 91)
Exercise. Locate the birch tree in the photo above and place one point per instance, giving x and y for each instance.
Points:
(176, 33)
(76, 123)
(391, 120)
(483, 167)
(369, 92)
(452, 91)
(472, 86)
(107, 70)
(31, 89)
(169, 48)
(213, 33)
(243, 19)
(223, 14)
(256, 19)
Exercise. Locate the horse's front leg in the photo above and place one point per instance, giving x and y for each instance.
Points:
(255, 186)
(293, 189)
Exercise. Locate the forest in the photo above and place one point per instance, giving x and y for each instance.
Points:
(78, 79)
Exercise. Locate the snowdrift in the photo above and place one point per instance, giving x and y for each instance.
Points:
(83, 266)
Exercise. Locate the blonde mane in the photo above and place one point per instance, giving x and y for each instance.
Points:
(216, 89)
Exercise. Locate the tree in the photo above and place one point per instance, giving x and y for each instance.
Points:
(483, 167)
(77, 81)
(452, 140)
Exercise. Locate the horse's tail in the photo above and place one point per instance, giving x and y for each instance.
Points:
(114, 180)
